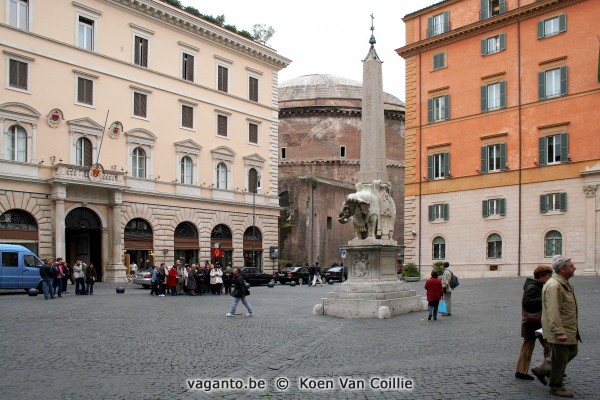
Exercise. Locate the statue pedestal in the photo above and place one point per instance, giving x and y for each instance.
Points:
(372, 284)
(115, 273)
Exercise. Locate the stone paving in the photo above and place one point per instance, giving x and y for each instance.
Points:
(137, 346)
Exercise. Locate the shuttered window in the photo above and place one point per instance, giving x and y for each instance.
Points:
(253, 183)
(85, 91)
(18, 74)
(140, 105)
(438, 24)
(552, 26)
(253, 133)
(489, 8)
(187, 116)
(253, 88)
(553, 83)
(493, 44)
(439, 212)
(140, 56)
(438, 108)
(187, 67)
(494, 207)
(223, 78)
(439, 61)
(222, 125)
(553, 202)
(83, 152)
(493, 96)
(493, 158)
(438, 166)
(553, 149)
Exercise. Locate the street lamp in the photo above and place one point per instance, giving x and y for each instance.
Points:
(253, 188)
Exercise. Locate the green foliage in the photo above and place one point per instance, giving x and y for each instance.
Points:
(262, 33)
(175, 3)
(287, 225)
(438, 267)
(314, 182)
(410, 270)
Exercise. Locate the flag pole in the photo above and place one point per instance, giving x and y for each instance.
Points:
(102, 138)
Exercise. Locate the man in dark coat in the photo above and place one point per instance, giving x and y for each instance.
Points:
(532, 321)
(239, 293)
(47, 277)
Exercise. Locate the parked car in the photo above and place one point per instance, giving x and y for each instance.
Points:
(290, 274)
(143, 278)
(339, 274)
(254, 276)
(19, 268)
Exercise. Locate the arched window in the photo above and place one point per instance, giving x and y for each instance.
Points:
(253, 180)
(187, 170)
(494, 246)
(138, 163)
(83, 155)
(552, 244)
(439, 248)
(221, 176)
(16, 144)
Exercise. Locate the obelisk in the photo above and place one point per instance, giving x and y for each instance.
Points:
(372, 289)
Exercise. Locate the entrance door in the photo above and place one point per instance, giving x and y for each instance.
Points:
(83, 238)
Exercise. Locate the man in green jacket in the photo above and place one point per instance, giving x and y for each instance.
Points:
(559, 321)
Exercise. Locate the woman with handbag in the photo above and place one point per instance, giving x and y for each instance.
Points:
(90, 278)
(532, 320)
(239, 293)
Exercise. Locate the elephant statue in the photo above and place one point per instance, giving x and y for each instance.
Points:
(372, 210)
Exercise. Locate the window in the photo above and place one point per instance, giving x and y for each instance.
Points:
(222, 125)
(489, 8)
(553, 83)
(552, 26)
(253, 88)
(329, 223)
(18, 74)
(493, 158)
(253, 133)
(10, 259)
(494, 207)
(83, 152)
(187, 116)
(253, 180)
(222, 78)
(438, 212)
(140, 51)
(187, 67)
(439, 61)
(493, 44)
(283, 153)
(494, 246)
(140, 104)
(438, 24)
(187, 167)
(85, 34)
(438, 166)
(493, 96)
(138, 163)
(16, 144)
(438, 108)
(221, 176)
(342, 151)
(19, 14)
(552, 244)
(554, 149)
(439, 248)
(553, 202)
(85, 91)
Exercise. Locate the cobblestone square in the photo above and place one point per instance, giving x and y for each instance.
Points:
(137, 346)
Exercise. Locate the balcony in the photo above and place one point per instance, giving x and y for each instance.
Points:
(75, 174)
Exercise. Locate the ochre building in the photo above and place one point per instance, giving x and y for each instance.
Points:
(133, 131)
(502, 135)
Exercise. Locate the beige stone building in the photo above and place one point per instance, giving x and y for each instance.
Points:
(133, 131)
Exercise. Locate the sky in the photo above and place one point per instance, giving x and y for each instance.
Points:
(326, 36)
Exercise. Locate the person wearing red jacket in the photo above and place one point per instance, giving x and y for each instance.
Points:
(172, 280)
(434, 289)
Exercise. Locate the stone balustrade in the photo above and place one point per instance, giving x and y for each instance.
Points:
(81, 173)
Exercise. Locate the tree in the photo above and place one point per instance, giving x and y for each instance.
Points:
(262, 33)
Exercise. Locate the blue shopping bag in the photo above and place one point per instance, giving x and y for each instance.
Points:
(442, 307)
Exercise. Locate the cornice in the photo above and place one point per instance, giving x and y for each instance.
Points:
(526, 12)
(331, 162)
(198, 27)
(349, 112)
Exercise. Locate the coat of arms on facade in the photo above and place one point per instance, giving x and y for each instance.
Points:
(96, 172)
(116, 129)
(360, 266)
(55, 117)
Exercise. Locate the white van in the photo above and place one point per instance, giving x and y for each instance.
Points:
(19, 268)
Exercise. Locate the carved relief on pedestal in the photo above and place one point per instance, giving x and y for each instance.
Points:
(360, 265)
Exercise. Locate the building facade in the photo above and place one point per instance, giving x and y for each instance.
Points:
(319, 160)
(133, 131)
(502, 145)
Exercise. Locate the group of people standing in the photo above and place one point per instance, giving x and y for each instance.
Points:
(56, 275)
(191, 279)
(437, 290)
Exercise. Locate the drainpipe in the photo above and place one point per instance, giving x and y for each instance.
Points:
(420, 176)
(520, 217)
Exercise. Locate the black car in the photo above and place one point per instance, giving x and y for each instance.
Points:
(290, 274)
(254, 276)
(339, 274)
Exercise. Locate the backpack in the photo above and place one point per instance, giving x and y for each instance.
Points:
(161, 274)
(453, 280)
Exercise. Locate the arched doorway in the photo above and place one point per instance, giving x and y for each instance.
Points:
(138, 242)
(253, 248)
(221, 244)
(19, 227)
(186, 243)
(83, 238)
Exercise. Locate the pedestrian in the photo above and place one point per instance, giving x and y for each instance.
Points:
(67, 272)
(162, 280)
(59, 274)
(311, 274)
(317, 275)
(206, 274)
(199, 280)
(191, 280)
(435, 291)
(216, 279)
(133, 268)
(239, 293)
(154, 285)
(180, 277)
(172, 280)
(559, 321)
(227, 279)
(79, 277)
(47, 278)
(531, 321)
(90, 279)
(446, 277)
